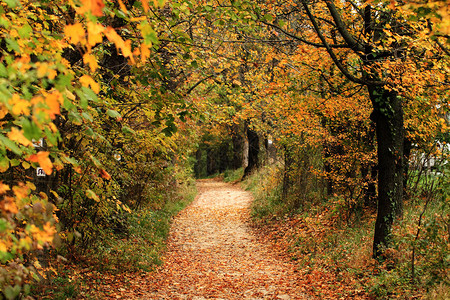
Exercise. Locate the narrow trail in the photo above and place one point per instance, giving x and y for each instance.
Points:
(213, 254)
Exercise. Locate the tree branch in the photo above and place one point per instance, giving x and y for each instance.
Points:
(348, 38)
(344, 71)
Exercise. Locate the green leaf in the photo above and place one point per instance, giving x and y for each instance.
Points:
(10, 145)
(4, 164)
(64, 81)
(87, 116)
(113, 114)
(12, 292)
(14, 162)
(12, 3)
(91, 195)
(128, 130)
(120, 14)
(89, 131)
(25, 31)
(12, 45)
(30, 130)
(3, 71)
(268, 17)
(75, 118)
(90, 95)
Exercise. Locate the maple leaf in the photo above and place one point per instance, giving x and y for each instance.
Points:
(53, 101)
(87, 81)
(75, 33)
(16, 135)
(3, 111)
(19, 105)
(94, 6)
(9, 205)
(145, 52)
(44, 161)
(4, 188)
(94, 33)
(91, 61)
(42, 69)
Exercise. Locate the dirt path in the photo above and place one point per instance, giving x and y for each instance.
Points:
(214, 255)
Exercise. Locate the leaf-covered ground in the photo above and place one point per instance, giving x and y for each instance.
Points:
(214, 253)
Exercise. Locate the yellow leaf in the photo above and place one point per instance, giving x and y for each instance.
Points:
(52, 74)
(87, 81)
(75, 33)
(19, 105)
(3, 247)
(94, 33)
(90, 60)
(126, 50)
(16, 135)
(42, 69)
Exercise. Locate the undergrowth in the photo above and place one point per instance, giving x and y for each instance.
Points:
(321, 237)
(137, 247)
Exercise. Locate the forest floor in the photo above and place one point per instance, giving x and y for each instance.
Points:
(214, 253)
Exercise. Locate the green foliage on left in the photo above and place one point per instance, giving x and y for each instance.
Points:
(94, 130)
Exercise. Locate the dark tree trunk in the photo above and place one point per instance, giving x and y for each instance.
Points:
(253, 151)
(238, 147)
(388, 118)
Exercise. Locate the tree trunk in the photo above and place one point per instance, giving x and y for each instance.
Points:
(388, 118)
(253, 151)
(238, 147)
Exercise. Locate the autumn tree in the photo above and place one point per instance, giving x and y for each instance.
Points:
(377, 47)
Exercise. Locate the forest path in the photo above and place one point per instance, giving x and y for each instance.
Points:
(213, 254)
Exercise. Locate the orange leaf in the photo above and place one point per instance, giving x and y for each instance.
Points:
(104, 174)
(145, 52)
(91, 61)
(94, 6)
(145, 5)
(4, 188)
(94, 33)
(43, 160)
(87, 81)
(19, 105)
(75, 33)
(53, 101)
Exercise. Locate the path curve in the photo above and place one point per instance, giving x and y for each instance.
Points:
(213, 254)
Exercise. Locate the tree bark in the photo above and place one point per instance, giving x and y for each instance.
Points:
(388, 118)
(253, 151)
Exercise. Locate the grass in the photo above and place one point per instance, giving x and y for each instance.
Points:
(233, 175)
